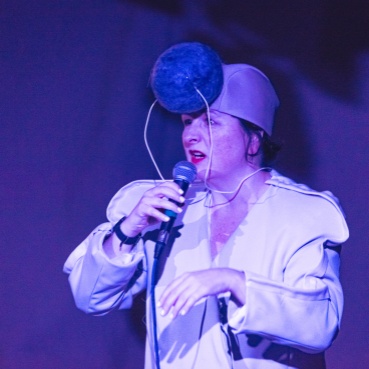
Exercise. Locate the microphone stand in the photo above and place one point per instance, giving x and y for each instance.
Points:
(184, 173)
(160, 244)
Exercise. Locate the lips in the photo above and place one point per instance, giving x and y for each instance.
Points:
(197, 156)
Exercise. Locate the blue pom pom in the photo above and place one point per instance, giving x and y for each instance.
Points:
(179, 70)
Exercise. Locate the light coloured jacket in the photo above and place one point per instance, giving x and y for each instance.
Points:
(288, 247)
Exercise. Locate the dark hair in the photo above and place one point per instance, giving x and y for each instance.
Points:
(268, 148)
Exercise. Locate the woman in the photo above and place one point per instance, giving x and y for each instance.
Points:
(249, 278)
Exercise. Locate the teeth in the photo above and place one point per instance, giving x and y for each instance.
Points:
(197, 154)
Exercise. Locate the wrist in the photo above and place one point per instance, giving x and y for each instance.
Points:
(125, 238)
(237, 288)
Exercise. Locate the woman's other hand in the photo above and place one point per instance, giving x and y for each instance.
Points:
(185, 291)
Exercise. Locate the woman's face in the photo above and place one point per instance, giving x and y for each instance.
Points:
(230, 145)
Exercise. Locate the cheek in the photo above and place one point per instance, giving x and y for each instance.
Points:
(223, 152)
(230, 147)
(228, 141)
(224, 147)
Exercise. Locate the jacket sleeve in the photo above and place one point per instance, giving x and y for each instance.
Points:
(305, 313)
(99, 284)
(304, 309)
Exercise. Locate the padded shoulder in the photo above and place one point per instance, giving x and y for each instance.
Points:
(285, 182)
(317, 210)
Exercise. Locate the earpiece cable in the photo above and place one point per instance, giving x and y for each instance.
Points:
(147, 142)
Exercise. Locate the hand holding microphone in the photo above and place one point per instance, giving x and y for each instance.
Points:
(184, 174)
(161, 203)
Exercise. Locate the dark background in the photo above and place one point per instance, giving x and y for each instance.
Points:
(73, 103)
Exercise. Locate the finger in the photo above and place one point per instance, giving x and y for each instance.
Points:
(156, 214)
(171, 294)
(184, 292)
(173, 185)
(163, 203)
(181, 295)
(169, 192)
(185, 302)
(152, 207)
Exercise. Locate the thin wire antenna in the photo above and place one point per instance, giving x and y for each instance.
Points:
(210, 136)
(147, 143)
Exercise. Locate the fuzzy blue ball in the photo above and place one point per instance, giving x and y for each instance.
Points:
(180, 69)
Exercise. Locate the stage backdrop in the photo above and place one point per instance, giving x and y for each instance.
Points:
(74, 98)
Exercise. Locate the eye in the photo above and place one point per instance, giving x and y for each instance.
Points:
(187, 122)
(210, 121)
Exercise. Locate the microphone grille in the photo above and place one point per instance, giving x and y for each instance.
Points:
(185, 171)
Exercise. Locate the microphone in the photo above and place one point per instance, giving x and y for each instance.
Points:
(184, 173)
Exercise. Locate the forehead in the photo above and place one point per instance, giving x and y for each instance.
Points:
(203, 114)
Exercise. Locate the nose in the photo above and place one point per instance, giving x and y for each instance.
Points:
(192, 133)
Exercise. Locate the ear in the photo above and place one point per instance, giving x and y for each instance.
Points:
(254, 143)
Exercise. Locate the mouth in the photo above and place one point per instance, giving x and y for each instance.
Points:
(197, 156)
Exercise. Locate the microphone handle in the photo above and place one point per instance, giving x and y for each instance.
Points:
(166, 227)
